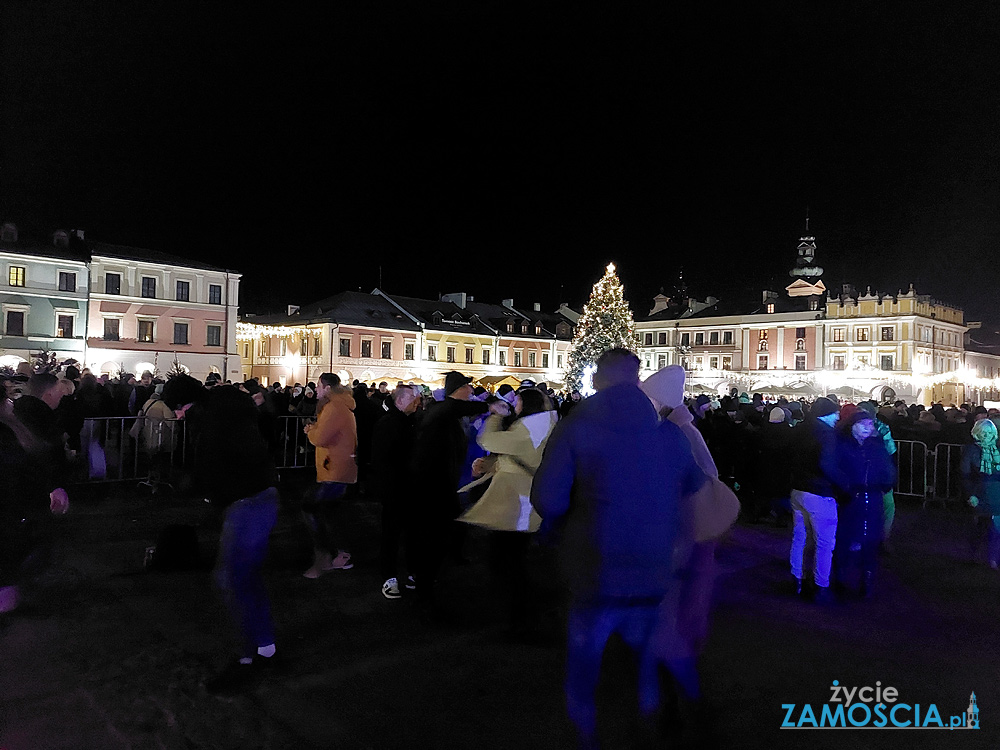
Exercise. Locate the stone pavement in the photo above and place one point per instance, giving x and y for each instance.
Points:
(107, 655)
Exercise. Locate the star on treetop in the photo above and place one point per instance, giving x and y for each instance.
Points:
(611, 267)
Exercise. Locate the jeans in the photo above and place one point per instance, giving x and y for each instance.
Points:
(242, 550)
(591, 624)
(815, 531)
(324, 512)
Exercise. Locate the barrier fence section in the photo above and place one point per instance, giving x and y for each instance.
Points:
(115, 449)
(151, 451)
(932, 474)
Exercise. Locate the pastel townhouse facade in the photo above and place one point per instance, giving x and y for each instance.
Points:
(807, 342)
(43, 297)
(387, 337)
(149, 309)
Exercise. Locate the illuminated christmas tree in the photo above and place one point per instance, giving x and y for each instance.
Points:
(606, 323)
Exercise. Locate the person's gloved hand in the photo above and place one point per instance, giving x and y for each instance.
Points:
(973, 501)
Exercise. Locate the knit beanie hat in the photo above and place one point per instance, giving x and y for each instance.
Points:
(823, 407)
(777, 415)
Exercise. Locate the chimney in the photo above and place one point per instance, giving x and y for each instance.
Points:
(458, 298)
(538, 307)
(509, 302)
(769, 296)
(292, 309)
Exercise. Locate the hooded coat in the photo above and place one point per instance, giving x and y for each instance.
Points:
(335, 436)
(506, 504)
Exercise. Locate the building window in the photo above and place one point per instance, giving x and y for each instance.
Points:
(814, 304)
(699, 339)
(149, 287)
(559, 361)
(727, 363)
(839, 334)
(886, 361)
(800, 345)
(510, 326)
(469, 355)
(181, 333)
(215, 294)
(713, 363)
(345, 347)
(112, 329)
(861, 334)
(800, 361)
(762, 345)
(408, 349)
(67, 281)
(246, 351)
(685, 363)
(538, 330)
(532, 359)
(145, 331)
(386, 350)
(517, 358)
(800, 333)
(727, 338)
(64, 326)
(662, 338)
(770, 309)
(486, 356)
(113, 283)
(839, 362)
(762, 362)
(661, 362)
(184, 291)
(317, 346)
(699, 363)
(15, 277)
(366, 348)
(713, 338)
(282, 347)
(213, 336)
(888, 333)
(685, 339)
(503, 357)
(545, 360)
(648, 339)
(15, 322)
(450, 354)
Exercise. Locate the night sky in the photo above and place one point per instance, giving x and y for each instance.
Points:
(512, 151)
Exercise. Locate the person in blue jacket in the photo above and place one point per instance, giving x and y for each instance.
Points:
(611, 479)
(869, 473)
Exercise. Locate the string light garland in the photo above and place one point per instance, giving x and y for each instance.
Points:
(253, 332)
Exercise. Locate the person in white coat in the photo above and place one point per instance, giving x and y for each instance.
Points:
(505, 507)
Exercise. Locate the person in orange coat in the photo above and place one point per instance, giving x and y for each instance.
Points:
(335, 435)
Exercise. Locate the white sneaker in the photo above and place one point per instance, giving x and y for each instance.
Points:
(390, 589)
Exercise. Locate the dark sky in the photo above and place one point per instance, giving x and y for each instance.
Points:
(512, 151)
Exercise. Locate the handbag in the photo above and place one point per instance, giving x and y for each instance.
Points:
(715, 508)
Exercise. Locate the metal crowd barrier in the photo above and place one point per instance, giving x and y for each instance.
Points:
(109, 453)
(932, 474)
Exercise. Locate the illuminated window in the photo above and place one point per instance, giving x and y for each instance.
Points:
(713, 363)
(770, 308)
(727, 363)
(559, 361)
(145, 331)
(15, 277)
(839, 362)
(861, 334)
(839, 334)
(762, 362)
(661, 362)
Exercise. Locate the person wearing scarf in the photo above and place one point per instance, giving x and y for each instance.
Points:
(981, 478)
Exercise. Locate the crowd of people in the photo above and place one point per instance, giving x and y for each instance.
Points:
(633, 487)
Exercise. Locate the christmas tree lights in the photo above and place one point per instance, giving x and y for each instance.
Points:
(606, 323)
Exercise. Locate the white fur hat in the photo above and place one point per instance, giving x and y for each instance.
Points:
(666, 386)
